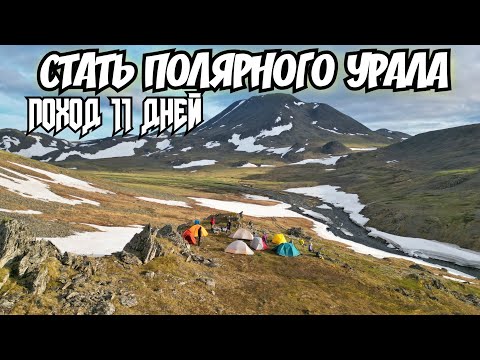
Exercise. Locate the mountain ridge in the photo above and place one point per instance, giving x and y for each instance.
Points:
(277, 127)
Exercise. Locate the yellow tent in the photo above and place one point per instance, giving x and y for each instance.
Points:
(279, 239)
(195, 228)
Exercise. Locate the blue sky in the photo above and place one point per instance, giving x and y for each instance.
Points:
(406, 111)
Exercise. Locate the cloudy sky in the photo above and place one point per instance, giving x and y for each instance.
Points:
(405, 111)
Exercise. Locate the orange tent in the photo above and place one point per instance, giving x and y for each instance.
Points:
(188, 236)
(196, 228)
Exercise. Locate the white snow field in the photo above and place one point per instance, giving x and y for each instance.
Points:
(33, 187)
(25, 212)
(248, 144)
(163, 145)
(212, 144)
(248, 165)
(104, 242)
(258, 197)
(332, 160)
(119, 150)
(7, 142)
(165, 202)
(65, 180)
(37, 149)
(417, 247)
(363, 149)
(196, 163)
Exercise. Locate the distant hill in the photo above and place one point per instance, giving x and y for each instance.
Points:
(274, 127)
(452, 148)
(393, 135)
(426, 186)
(35, 145)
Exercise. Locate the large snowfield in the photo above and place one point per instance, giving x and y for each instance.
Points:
(39, 189)
(421, 248)
(106, 241)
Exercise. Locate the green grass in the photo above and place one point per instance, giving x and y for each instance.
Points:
(469, 170)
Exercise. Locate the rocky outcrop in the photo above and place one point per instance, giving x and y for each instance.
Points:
(165, 231)
(87, 266)
(298, 232)
(17, 243)
(20, 251)
(334, 148)
(144, 245)
(3, 278)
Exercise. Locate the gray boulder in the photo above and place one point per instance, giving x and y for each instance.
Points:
(128, 300)
(128, 258)
(165, 231)
(39, 281)
(144, 245)
(22, 252)
(103, 308)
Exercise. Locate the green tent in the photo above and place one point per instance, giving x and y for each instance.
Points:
(287, 249)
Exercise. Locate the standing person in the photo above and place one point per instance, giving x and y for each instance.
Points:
(264, 240)
(200, 230)
(212, 222)
(229, 225)
(310, 247)
(240, 218)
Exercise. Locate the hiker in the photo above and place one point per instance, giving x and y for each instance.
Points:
(318, 255)
(240, 218)
(200, 233)
(212, 222)
(199, 236)
(310, 247)
(264, 239)
(229, 225)
(302, 242)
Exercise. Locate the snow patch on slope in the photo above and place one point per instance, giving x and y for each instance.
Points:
(196, 163)
(119, 150)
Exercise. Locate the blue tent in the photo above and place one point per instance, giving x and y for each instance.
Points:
(287, 249)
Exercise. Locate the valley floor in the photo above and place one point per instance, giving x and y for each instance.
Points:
(343, 282)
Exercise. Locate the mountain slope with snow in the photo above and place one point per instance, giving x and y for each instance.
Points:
(273, 126)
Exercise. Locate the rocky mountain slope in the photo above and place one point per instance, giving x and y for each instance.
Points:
(269, 128)
(423, 187)
(453, 148)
